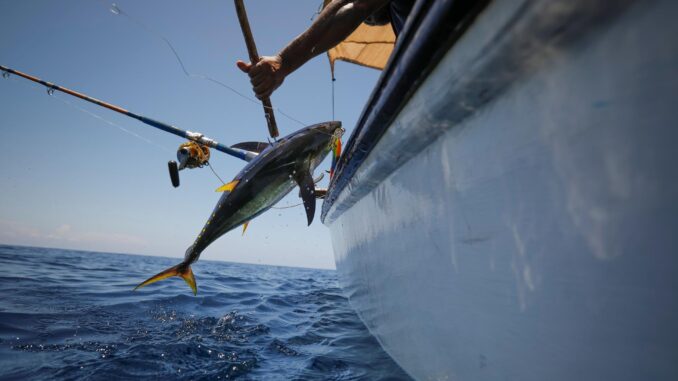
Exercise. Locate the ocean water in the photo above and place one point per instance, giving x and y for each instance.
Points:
(73, 315)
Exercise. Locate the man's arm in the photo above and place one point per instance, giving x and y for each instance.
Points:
(336, 22)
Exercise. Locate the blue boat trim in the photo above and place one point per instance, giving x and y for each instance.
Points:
(432, 28)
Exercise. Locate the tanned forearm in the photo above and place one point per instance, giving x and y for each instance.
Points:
(336, 22)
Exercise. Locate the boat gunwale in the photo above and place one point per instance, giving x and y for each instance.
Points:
(433, 27)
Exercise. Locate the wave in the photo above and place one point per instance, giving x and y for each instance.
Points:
(73, 315)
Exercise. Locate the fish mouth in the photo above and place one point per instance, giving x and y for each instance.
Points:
(337, 132)
(334, 124)
(332, 127)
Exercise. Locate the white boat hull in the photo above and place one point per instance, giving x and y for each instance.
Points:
(536, 238)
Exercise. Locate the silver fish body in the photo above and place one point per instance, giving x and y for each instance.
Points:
(264, 181)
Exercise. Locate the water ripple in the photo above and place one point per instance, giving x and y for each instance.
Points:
(72, 315)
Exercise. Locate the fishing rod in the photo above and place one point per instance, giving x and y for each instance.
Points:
(192, 154)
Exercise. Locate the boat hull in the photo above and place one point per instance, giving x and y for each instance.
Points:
(529, 234)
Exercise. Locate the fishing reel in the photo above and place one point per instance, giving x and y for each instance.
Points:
(189, 155)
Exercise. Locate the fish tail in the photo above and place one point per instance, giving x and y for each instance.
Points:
(182, 270)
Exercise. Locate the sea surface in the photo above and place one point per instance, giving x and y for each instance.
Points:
(73, 315)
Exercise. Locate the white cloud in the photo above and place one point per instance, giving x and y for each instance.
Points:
(21, 233)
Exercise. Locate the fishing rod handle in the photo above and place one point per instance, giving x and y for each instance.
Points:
(254, 58)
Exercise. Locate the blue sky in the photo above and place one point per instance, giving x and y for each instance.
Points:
(71, 180)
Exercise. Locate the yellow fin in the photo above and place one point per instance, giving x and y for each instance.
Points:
(244, 227)
(181, 270)
(227, 187)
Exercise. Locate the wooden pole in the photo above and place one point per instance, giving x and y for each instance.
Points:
(254, 58)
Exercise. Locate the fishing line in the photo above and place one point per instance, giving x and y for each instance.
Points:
(287, 207)
(215, 173)
(110, 123)
(50, 92)
(115, 9)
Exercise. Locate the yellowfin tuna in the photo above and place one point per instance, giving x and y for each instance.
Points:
(272, 174)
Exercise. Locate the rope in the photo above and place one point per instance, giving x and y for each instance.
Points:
(333, 80)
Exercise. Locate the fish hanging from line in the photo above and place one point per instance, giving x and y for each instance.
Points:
(265, 180)
(272, 171)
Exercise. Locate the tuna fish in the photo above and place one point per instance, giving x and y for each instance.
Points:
(275, 170)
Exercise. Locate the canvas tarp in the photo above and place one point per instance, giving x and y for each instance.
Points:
(369, 46)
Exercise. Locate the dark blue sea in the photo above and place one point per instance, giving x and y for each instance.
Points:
(70, 315)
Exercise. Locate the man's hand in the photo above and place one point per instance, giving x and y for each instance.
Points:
(336, 22)
(265, 76)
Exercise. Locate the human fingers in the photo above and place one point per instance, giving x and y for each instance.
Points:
(263, 88)
(258, 79)
(258, 73)
(245, 67)
(261, 68)
(269, 91)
